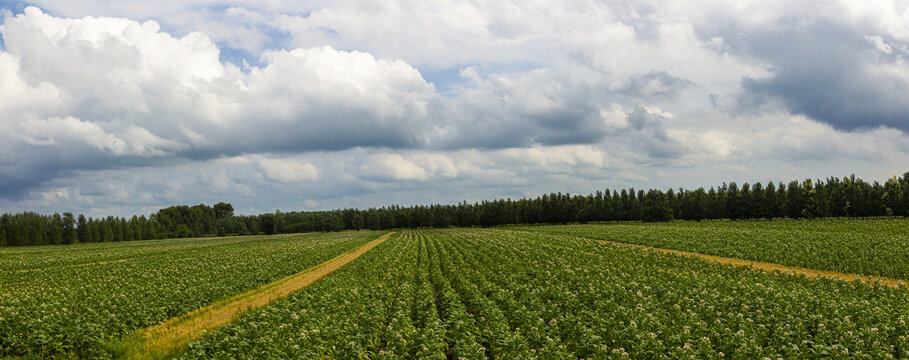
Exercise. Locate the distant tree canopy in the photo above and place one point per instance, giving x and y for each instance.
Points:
(846, 197)
(223, 210)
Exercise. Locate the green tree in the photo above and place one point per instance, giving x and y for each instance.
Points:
(223, 210)
(82, 229)
(771, 203)
(107, 231)
(4, 228)
(733, 208)
(795, 200)
(655, 207)
(904, 183)
(812, 208)
(183, 231)
(54, 230)
(69, 228)
(268, 224)
(893, 197)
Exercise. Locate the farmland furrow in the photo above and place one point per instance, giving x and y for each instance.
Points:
(862, 247)
(394, 310)
(398, 324)
(483, 301)
(172, 336)
(767, 266)
(524, 311)
(460, 327)
(430, 330)
(71, 266)
(76, 311)
(526, 295)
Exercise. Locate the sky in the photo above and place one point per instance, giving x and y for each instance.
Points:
(125, 107)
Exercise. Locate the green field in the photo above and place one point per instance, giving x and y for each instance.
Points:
(861, 246)
(543, 292)
(64, 304)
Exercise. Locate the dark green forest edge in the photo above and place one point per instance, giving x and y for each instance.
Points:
(847, 197)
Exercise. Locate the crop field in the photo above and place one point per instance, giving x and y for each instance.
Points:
(547, 292)
(861, 246)
(516, 294)
(69, 300)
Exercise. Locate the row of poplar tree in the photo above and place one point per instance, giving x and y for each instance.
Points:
(846, 197)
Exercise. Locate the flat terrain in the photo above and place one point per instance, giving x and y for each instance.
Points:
(875, 246)
(171, 337)
(74, 299)
(571, 291)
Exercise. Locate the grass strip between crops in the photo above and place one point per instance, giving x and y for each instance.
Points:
(769, 267)
(170, 338)
(72, 266)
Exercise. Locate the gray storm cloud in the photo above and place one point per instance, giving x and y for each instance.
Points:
(833, 74)
(335, 108)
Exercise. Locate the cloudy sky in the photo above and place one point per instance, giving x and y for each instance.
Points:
(124, 107)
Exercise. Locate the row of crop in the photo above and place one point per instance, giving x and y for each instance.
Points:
(492, 293)
(74, 310)
(646, 304)
(536, 315)
(462, 334)
(32, 258)
(413, 313)
(867, 247)
(518, 320)
(375, 307)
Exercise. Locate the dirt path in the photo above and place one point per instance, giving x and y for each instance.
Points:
(770, 267)
(171, 337)
(72, 266)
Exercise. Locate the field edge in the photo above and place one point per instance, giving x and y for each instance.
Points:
(766, 266)
(172, 337)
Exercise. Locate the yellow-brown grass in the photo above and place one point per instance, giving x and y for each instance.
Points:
(771, 267)
(171, 337)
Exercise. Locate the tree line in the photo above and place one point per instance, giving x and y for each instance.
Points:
(834, 197)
